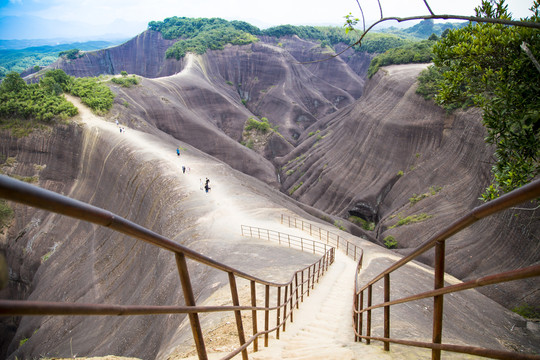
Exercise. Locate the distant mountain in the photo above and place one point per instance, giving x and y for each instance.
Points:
(13, 58)
(423, 29)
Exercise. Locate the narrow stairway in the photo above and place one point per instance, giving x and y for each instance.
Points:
(322, 327)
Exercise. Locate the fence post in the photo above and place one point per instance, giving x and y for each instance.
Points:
(238, 314)
(190, 301)
(296, 288)
(368, 321)
(254, 315)
(386, 311)
(278, 310)
(439, 299)
(308, 279)
(266, 313)
(302, 286)
(361, 315)
(291, 305)
(285, 301)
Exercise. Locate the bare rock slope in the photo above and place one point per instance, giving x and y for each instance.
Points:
(378, 152)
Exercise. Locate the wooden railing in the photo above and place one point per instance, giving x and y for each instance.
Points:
(363, 299)
(331, 238)
(292, 241)
(288, 294)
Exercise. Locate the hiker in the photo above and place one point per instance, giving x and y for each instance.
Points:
(206, 187)
(178, 151)
(183, 169)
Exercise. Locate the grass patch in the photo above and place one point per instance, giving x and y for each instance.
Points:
(366, 225)
(27, 179)
(411, 219)
(296, 187)
(527, 311)
(339, 225)
(433, 190)
(6, 214)
(21, 128)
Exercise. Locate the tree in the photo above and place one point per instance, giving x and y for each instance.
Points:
(485, 62)
(13, 83)
(493, 62)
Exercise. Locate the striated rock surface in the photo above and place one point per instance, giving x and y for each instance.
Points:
(392, 156)
(374, 150)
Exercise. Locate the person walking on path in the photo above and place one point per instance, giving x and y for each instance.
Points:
(206, 186)
(178, 151)
(183, 169)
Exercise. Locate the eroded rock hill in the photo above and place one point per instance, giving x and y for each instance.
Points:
(386, 157)
(393, 156)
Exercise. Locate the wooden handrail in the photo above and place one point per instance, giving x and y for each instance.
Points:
(30, 195)
(526, 193)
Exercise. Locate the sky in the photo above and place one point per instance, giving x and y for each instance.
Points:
(38, 19)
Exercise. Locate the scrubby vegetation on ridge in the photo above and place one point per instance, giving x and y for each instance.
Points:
(410, 52)
(44, 101)
(200, 34)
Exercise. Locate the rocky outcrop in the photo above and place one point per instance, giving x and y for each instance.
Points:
(143, 55)
(394, 156)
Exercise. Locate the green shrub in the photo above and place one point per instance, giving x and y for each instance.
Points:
(416, 198)
(70, 54)
(527, 311)
(390, 242)
(339, 225)
(40, 101)
(6, 214)
(261, 126)
(126, 81)
(366, 225)
(94, 94)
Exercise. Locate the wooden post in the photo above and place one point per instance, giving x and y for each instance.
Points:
(296, 288)
(439, 299)
(254, 315)
(189, 299)
(238, 314)
(302, 287)
(368, 324)
(266, 313)
(278, 310)
(387, 311)
(285, 301)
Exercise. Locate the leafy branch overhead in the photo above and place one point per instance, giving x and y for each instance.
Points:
(484, 64)
(491, 63)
